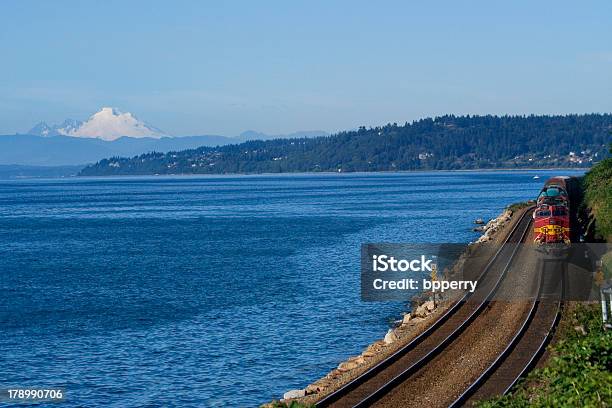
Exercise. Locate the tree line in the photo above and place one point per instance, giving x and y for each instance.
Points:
(442, 143)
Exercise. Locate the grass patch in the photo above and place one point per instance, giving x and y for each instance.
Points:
(578, 375)
(519, 206)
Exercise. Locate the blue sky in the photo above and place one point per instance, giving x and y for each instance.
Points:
(197, 67)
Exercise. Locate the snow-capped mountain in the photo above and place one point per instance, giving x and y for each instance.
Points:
(43, 129)
(106, 124)
(107, 133)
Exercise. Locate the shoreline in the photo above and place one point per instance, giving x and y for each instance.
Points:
(424, 312)
(286, 174)
(340, 174)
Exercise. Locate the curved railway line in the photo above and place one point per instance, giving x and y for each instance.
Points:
(525, 347)
(518, 356)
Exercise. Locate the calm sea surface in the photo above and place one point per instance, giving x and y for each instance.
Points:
(212, 291)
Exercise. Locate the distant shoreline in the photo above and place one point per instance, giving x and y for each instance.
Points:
(15, 172)
(530, 169)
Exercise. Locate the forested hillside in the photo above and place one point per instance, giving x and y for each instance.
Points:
(447, 142)
(598, 195)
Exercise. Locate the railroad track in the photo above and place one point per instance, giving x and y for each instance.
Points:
(379, 380)
(526, 346)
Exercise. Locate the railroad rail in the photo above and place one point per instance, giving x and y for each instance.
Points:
(382, 378)
(526, 346)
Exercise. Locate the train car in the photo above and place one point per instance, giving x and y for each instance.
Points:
(561, 181)
(552, 213)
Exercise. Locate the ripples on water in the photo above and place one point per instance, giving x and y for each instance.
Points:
(210, 291)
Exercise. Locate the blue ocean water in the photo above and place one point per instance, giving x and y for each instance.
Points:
(210, 291)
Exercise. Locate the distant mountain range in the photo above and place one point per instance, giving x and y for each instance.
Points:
(67, 150)
(253, 135)
(63, 129)
(107, 133)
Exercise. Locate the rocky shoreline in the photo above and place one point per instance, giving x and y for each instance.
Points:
(404, 330)
(423, 314)
(491, 227)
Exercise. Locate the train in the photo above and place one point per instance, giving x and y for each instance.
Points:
(552, 213)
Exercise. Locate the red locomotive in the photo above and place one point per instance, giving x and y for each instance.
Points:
(552, 214)
(553, 194)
